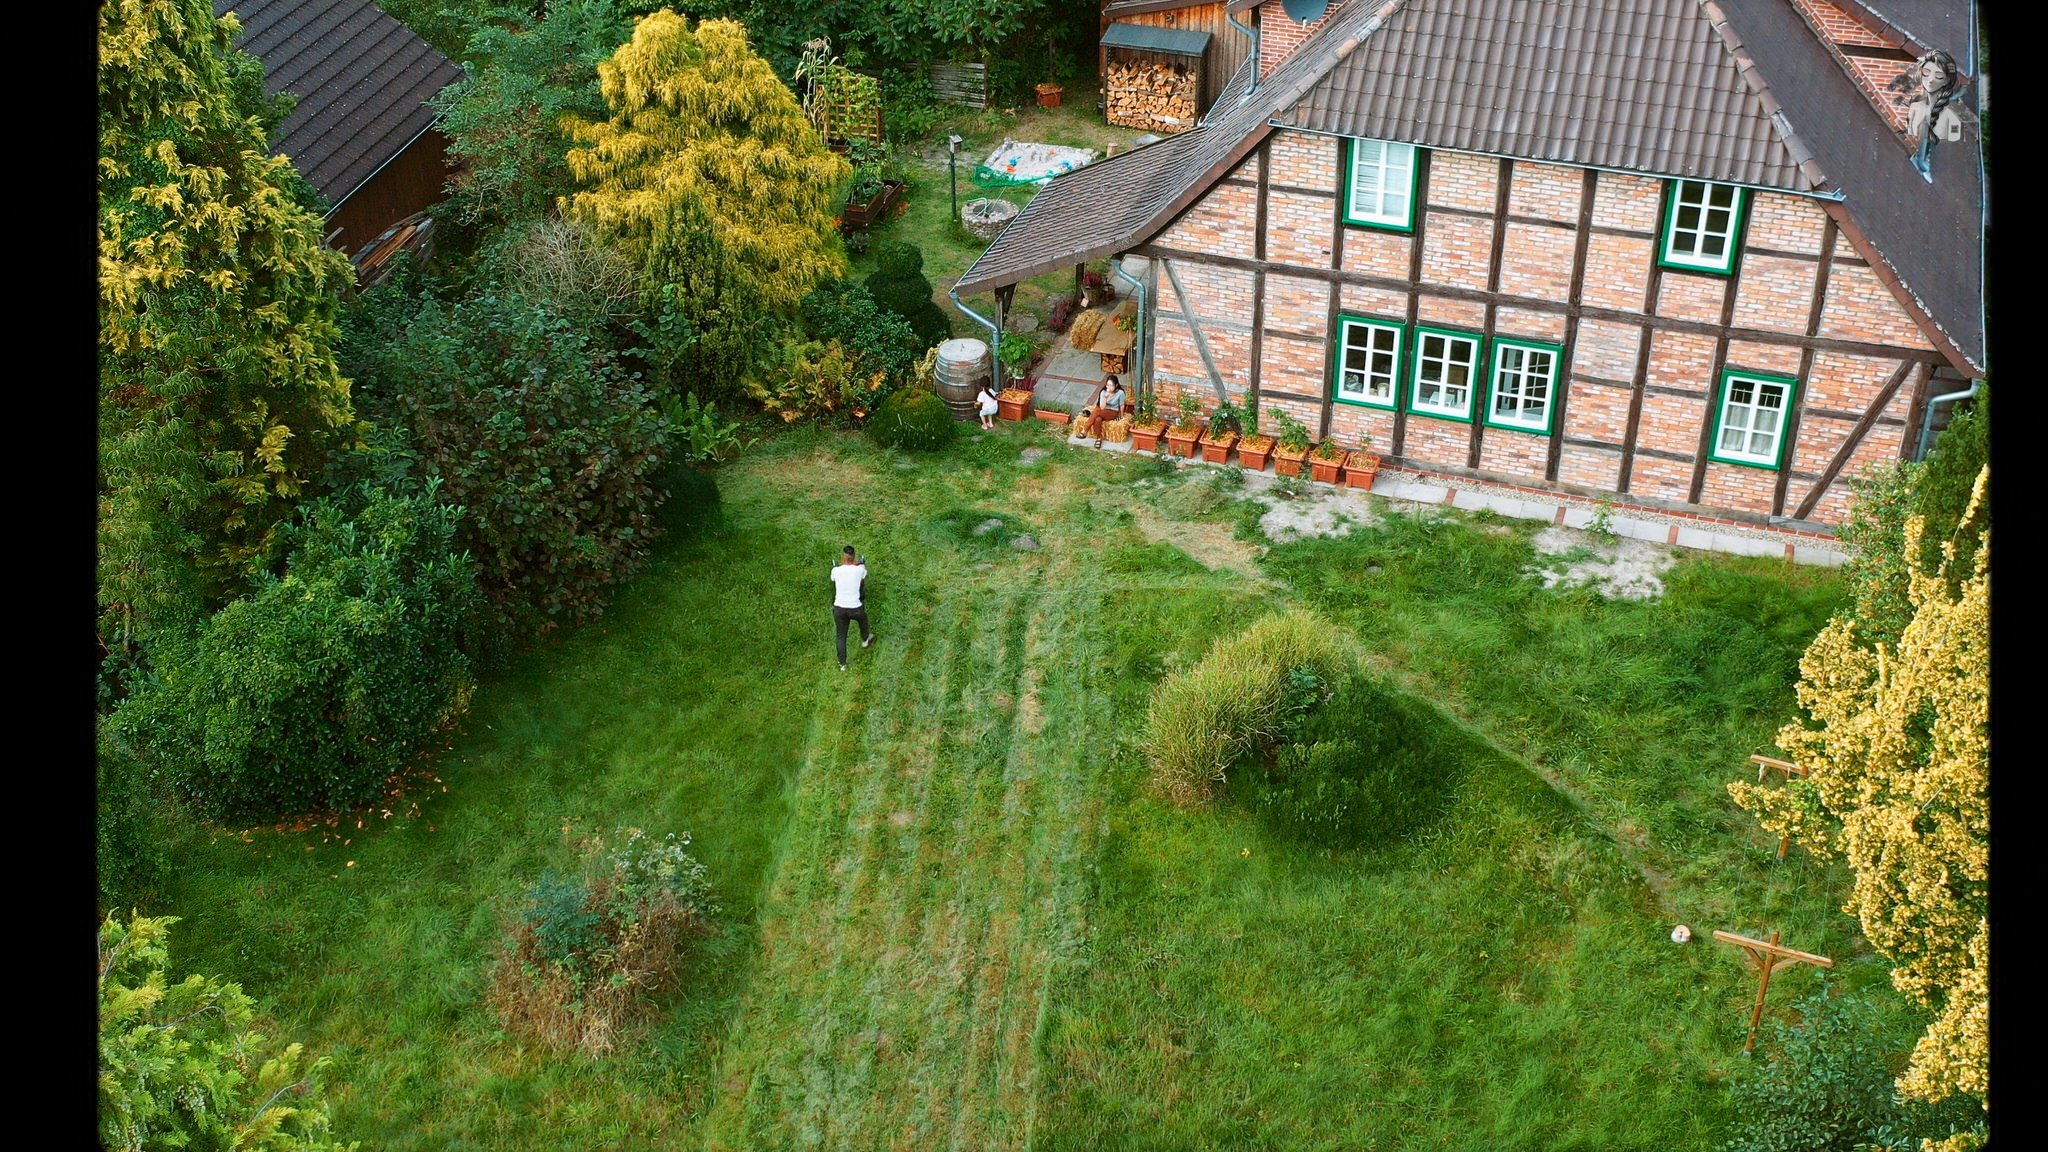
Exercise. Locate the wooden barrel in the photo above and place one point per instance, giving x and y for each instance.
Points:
(962, 368)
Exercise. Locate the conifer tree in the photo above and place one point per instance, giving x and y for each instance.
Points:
(219, 394)
(702, 130)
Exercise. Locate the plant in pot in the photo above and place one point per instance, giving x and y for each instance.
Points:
(1254, 449)
(1146, 426)
(1096, 290)
(872, 191)
(1362, 465)
(1013, 403)
(1054, 412)
(1225, 423)
(1017, 351)
(1324, 462)
(1049, 92)
(1187, 424)
(1293, 446)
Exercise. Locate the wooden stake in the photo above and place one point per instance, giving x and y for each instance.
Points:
(1767, 957)
(1788, 770)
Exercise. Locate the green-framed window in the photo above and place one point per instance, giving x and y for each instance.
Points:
(1749, 419)
(1446, 372)
(1379, 184)
(1522, 392)
(1368, 361)
(1702, 225)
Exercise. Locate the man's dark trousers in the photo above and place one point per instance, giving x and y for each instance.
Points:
(840, 616)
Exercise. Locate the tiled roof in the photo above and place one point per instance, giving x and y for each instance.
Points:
(1638, 85)
(362, 79)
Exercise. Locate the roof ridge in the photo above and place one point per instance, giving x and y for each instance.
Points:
(1746, 68)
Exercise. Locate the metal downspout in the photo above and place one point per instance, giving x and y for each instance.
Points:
(1927, 421)
(1138, 364)
(1252, 32)
(995, 360)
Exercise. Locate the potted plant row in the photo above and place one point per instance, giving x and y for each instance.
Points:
(1187, 424)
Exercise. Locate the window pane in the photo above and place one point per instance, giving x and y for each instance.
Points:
(1771, 396)
(1721, 195)
(1731, 439)
(1760, 443)
(1688, 218)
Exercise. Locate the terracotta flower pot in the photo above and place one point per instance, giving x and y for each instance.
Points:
(1324, 469)
(1254, 451)
(1053, 417)
(1049, 95)
(1182, 443)
(1288, 463)
(1146, 438)
(1359, 470)
(1217, 451)
(1013, 404)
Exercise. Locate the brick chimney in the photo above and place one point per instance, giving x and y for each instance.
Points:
(1280, 35)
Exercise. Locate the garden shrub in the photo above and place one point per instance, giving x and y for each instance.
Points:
(816, 381)
(1232, 703)
(914, 419)
(1827, 1087)
(877, 339)
(534, 427)
(1946, 479)
(586, 952)
(311, 691)
(130, 860)
(900, 287)
(1369, 766)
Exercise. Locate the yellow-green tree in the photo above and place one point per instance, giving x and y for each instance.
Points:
(1898, 781)
(219, 394)
(701, 129)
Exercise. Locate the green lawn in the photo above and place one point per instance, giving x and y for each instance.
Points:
(954, 917)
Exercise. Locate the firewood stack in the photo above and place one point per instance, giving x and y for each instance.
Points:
(1155, 96)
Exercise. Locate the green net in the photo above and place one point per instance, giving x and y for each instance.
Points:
(1016, 163)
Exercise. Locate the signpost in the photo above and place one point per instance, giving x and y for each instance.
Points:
(953, 169)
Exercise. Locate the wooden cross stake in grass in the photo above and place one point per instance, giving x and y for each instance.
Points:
(1767, 957)
(1787, 770)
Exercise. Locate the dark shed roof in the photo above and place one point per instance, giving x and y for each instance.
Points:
(1177, 41)
(362, 79)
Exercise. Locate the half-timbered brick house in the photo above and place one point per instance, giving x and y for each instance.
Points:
(1670, 252)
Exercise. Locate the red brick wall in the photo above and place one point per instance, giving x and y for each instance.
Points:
(1674, 390)
(1279, 35)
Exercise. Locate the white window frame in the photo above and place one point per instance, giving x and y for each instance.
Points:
(1383, 159)
(1711, 221)
(1744, 416)
(1376, 330)
(1473, 342)
(1505, 349)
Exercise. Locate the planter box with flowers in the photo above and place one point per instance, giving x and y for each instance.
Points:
(1049, 95)
(1186, 430)
(1361, 466)
(1292, 448)
(1013, 403)
(1324, 462)
(1254, 451)
(1225, 422)
(1052, 411)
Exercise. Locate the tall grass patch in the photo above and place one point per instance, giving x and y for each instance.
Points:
(1233, 701)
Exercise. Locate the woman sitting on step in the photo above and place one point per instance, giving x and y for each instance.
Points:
(1109, 406)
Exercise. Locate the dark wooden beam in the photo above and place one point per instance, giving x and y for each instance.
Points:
(1856, 434)
(1413, 286)
(1699, 467)
(1642, 376)
(1336, 285)
(1794, 413)
(1258, 346)
(1561, 389)
(1504, 178)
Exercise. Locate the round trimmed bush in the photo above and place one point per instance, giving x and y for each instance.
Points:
(914, 419)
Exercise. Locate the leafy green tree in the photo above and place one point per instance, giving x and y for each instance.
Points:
(311, 691)
(699, 120)
(219, 393)
(535, 427)
(878, 341)
(130, 859)
(180, 1066)
(504, 121)
(1942, 494)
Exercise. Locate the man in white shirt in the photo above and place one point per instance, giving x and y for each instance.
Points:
(849, 580)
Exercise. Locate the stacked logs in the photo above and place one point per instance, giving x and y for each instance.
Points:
(1157, 96)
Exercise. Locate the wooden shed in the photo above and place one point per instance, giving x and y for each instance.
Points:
(1227, 46)
(363, 133)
